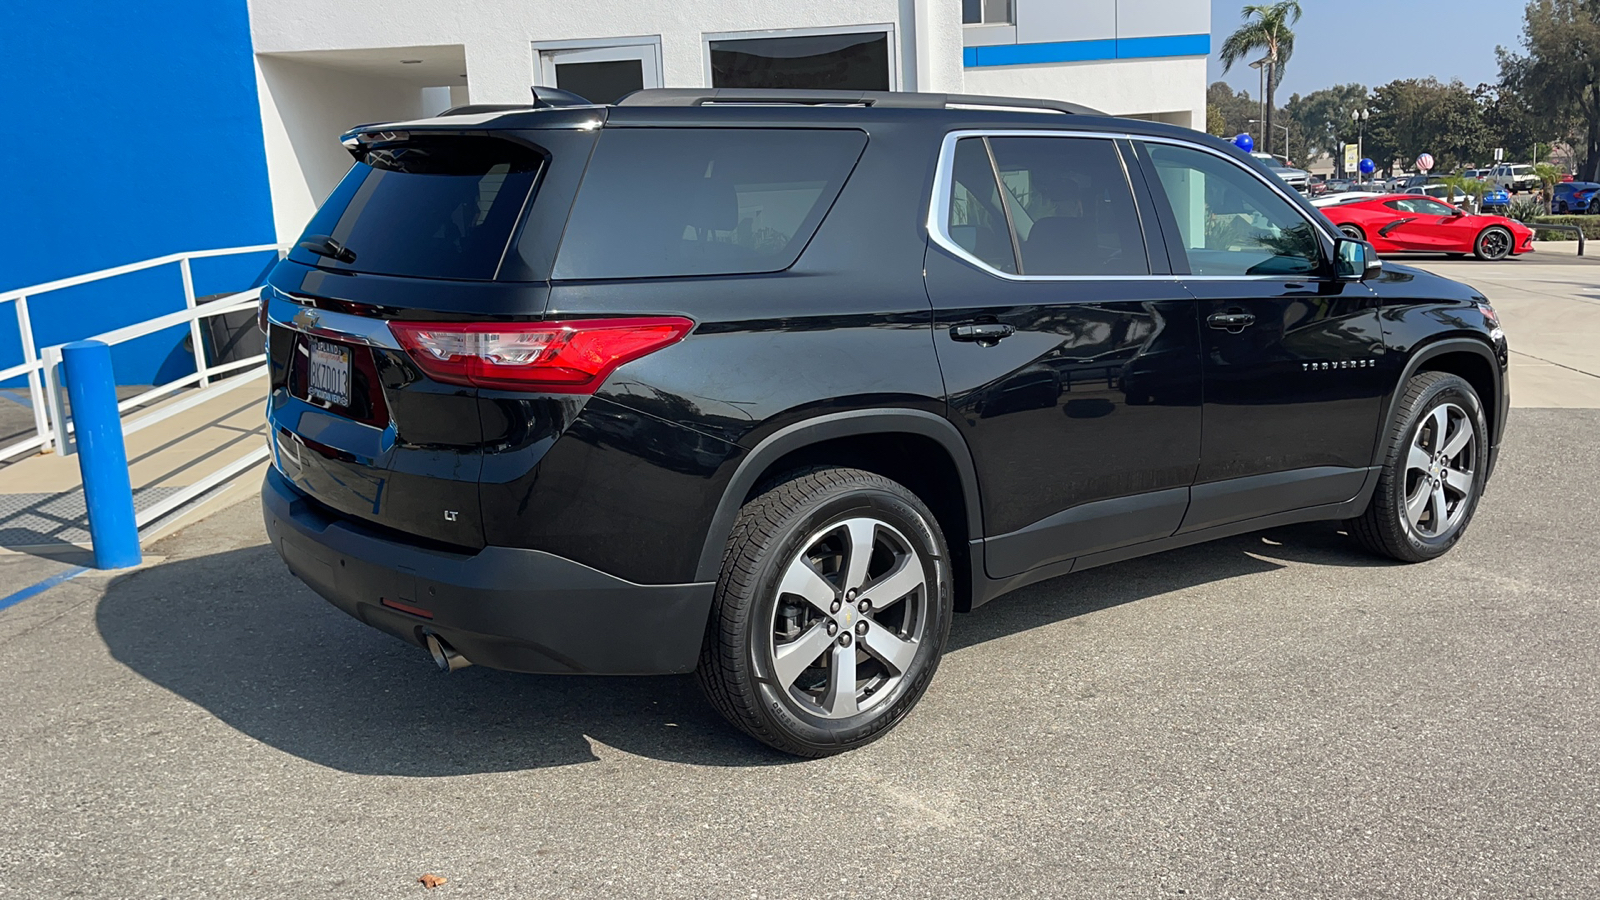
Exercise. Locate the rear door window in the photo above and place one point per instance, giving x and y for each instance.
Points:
(703, 201)
(1070, 206)
(433, 206)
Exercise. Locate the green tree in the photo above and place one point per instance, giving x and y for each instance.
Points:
(1233, 110)
(1269, 28)
(1549, 177)
(1323, 117)
(1413, 116)
(1559, 76)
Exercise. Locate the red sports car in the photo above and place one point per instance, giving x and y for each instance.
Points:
(1412, 223)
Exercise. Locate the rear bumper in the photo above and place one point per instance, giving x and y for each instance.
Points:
(506, 608)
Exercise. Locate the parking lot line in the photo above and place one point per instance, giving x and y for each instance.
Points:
(39, 588)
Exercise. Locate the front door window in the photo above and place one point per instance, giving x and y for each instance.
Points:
(1231, 223)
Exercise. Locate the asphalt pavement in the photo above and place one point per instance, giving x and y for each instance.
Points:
(1275, 715)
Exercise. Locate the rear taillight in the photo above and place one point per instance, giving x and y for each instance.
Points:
(565, 357)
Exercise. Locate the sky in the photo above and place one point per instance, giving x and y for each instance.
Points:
(1373, 42)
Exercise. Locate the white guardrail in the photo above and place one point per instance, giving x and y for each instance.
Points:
(42, 366)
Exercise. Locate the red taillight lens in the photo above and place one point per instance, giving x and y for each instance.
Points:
(566, 357)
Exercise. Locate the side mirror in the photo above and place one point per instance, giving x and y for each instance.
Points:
(1355, 260)
(1457, 213)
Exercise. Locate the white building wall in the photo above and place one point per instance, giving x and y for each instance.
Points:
(498, 34)
(1167, 90)
(323, 65)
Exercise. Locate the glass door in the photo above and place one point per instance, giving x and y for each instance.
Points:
(602, 74)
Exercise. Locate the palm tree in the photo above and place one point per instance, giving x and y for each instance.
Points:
(1266, 27)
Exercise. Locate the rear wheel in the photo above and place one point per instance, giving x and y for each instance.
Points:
(1432, 474)
(831, 612)
(1353, 231)
(1493, 243)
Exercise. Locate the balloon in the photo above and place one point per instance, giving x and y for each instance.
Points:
(1245, 142)
(1368, 167)
(1425, 162)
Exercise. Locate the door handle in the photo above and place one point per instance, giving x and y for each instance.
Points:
(986, 333)
(1233, 321)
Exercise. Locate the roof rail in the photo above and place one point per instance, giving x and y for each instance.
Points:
(884, 99)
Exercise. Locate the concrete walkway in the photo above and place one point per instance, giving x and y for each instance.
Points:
(1549, 304)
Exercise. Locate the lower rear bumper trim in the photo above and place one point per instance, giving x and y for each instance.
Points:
(502, 607)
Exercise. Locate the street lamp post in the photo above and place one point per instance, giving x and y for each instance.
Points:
(1285, 130)
(1260, 67)
(1359, 116)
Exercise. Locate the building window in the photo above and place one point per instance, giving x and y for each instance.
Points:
(856, 61)
(986, 12)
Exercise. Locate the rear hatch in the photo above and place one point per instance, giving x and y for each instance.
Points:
(434, 226)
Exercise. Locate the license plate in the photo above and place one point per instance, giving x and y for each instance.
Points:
(328, 373)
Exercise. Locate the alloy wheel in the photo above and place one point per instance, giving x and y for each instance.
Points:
(1441, 469)
(1496, 244)
(852, 611)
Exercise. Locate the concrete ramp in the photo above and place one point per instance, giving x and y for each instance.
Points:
(214, 442)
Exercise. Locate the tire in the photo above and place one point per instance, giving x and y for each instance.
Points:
(788, 611)
(1493, 243)
(1563, 210)
(1429, 486)
(1353, 231)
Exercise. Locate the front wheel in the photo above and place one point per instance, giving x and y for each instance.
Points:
(1493, 244)
(1433, 472)
(831, 612)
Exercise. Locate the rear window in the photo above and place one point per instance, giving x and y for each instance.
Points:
(703, 201)
(431, 206)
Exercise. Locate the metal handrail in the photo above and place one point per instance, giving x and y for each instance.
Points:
(1538, 226)
(40, 364)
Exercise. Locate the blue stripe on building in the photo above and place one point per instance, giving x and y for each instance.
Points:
(1087, 51)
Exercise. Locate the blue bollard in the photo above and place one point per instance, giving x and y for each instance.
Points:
(102, 458)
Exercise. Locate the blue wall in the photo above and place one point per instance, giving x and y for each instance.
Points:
(131, 130)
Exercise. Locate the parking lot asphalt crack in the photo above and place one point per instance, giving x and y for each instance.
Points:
(1552, 362)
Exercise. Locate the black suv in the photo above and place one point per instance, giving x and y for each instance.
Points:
(765, 386)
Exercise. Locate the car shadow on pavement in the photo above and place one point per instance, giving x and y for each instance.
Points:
(237, 635)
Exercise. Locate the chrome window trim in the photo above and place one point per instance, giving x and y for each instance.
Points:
(283, 311)
(944, 187)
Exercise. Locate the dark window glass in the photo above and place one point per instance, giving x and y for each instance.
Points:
(1071, 206)
(845, 62)
(985, 12)
(977, 222)
(1231, 223)
(601, 82)
(436, 207)
(703, 201)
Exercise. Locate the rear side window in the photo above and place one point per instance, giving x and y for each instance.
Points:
(703, 201)
(1070, 206)
(430, 206)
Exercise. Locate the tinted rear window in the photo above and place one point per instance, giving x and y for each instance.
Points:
(703, 201)
(435, 207)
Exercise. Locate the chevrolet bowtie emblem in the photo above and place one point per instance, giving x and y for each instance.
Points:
(307, 319)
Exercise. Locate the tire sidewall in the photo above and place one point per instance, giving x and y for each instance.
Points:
(1451, 390)
(774, 704)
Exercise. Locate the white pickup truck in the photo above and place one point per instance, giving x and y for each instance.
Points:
(1514, 177)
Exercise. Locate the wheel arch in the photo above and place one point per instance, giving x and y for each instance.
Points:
(1471, 359)
(919, 449)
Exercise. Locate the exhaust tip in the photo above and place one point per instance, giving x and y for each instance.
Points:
(444, 655)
